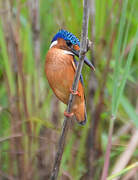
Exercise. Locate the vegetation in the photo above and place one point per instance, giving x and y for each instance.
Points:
(30, 115)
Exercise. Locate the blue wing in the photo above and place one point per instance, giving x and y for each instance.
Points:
(81, 77)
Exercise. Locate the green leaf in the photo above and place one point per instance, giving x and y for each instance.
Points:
(123, 171)
(129, 110)
(117, 63)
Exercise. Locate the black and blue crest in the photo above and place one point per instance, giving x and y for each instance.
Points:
(66, 36)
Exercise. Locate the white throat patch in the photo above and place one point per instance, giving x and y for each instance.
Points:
(68, 52)
(53, 44)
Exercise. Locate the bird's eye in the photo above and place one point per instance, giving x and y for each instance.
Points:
(68, 43)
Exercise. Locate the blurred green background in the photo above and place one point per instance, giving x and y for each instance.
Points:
(31, 117)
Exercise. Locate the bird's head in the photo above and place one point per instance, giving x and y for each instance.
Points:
(69, 43)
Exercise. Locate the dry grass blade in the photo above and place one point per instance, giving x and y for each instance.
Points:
(126, 155)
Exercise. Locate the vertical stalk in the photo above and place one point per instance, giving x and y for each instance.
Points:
(83, 49)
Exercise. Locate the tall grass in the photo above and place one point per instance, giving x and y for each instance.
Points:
(31, 117)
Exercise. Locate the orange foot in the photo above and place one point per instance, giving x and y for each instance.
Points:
(74, 92)
(68, 114)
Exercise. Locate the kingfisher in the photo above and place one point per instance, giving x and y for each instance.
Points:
(60, 68)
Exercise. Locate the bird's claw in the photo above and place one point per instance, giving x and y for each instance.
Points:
(68, 114)
(74, 92)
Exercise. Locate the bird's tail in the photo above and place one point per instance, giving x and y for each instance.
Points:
(80, 114)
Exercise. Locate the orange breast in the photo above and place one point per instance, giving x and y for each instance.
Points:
(60, 73)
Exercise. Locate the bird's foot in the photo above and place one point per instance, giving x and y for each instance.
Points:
(74, 92)
(68, 114)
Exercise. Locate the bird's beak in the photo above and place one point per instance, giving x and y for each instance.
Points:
(86, 61)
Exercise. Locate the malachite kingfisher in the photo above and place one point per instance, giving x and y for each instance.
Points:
(60, 68)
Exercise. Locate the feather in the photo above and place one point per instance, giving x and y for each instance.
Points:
(81, 77)
(66, 36)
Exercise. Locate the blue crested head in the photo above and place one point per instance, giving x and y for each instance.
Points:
(67, 36)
